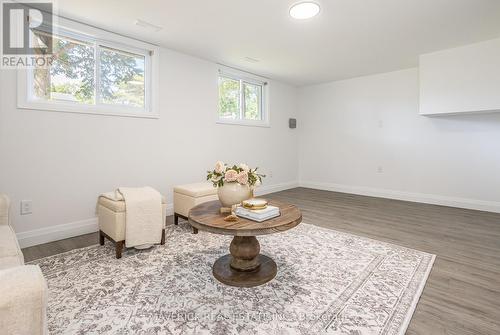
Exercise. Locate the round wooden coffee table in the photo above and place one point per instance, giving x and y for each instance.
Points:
(244, 266)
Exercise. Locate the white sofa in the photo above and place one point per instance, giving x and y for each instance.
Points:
(23, 290)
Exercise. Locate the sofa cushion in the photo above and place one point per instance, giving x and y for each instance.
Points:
(196, 190)
(119, 206)
(10, 253)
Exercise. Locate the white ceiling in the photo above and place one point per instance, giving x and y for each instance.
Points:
(349, 38)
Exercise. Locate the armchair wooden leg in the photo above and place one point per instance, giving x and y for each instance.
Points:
(162, 237)
(119, 248)
(101, 238)
(195, 230)
(176, 219)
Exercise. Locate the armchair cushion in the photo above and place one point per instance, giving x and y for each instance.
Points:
(23, 301)
(4, 210)
(10, 253)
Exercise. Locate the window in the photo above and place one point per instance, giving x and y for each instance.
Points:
(242, 99)
(121, 78)
(92, 75)
(71, 76)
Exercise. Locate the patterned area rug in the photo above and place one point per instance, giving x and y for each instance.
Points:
(327, 282)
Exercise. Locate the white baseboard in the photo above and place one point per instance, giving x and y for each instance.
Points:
(265, 189)
(481, 205)
(60, 232)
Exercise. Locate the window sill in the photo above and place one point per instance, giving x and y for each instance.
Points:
(262, 124)
(85, 110)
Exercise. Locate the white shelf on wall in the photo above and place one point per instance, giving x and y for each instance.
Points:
(461, 80)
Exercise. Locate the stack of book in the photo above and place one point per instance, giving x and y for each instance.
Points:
(258, 215)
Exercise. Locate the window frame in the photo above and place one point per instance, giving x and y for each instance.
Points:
(100, 39)
(245, 77)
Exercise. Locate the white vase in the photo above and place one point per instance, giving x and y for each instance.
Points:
(233, 193)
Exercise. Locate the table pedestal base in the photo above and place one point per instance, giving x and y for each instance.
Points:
(244, 267)
(226, 274)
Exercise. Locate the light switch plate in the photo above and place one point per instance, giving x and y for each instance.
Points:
(26, 207)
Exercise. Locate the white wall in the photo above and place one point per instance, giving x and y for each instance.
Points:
(348, 129)
(62, 161)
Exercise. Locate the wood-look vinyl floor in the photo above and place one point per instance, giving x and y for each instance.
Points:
(462, 295)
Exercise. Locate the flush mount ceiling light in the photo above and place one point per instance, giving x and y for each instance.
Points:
(304, 10)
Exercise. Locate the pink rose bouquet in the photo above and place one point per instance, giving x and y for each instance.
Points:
(240, 173)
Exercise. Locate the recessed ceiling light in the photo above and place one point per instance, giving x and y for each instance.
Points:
(304, 10)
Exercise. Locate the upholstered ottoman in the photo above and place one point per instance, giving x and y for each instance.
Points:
(111, 215)
(189, 195)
